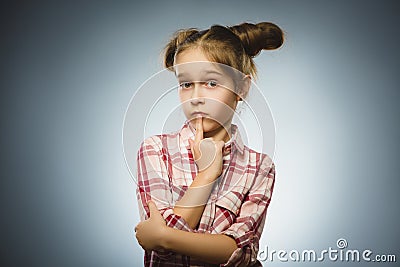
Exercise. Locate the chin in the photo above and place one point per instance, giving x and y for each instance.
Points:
(210, 125)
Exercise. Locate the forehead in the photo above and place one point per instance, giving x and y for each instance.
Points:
(198, 71)
(193, 64)
(191, 55)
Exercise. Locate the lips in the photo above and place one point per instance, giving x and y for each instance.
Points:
(197, 113)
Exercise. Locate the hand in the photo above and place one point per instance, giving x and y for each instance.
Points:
(150, 232)
(207, 153)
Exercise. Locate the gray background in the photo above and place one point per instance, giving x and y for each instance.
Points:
(69, 69)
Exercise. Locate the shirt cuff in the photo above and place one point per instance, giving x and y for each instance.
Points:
(163, 254)
(246, 253)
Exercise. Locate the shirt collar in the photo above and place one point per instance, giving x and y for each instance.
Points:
(188, 131)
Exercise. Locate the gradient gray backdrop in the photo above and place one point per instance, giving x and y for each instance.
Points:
(69, 69)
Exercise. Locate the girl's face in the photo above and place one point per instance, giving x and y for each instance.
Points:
(205, 89)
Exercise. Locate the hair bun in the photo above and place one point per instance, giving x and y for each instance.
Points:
(257, 37)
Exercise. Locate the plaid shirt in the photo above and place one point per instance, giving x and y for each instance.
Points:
(237, 204)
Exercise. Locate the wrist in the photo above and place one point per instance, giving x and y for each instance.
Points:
(207, 177)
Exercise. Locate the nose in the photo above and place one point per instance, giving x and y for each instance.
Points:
(197, 94)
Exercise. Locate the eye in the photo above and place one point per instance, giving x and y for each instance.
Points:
(211, 84)
(185, 85)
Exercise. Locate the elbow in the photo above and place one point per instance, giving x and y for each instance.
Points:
(192, 224)
(232, 248)
(229, 248)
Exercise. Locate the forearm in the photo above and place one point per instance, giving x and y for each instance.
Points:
(211, 248)
(191, 206)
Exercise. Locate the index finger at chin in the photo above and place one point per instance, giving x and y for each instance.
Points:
(199, 129)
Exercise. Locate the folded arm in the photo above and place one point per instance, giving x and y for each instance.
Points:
(237, 245)
(154, 234)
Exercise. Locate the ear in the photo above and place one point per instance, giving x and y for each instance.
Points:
(244, 87)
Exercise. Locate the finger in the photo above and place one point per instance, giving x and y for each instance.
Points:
(199, 129)
(152, 207)
(207, 153)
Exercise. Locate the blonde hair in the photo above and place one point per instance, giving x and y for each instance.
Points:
(235, 46)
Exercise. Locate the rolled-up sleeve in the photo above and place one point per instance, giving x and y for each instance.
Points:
(153, 183)
(249, 224)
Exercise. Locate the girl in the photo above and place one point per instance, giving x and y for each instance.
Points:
(213, 213)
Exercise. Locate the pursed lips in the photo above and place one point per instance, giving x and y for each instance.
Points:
(199, 113)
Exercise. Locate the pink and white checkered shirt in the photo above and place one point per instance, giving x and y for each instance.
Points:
(237, 205)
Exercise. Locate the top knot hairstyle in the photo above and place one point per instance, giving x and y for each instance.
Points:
(234, 46)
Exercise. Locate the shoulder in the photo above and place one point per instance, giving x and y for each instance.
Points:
(158, 142)
(152, 142)
(264, 176)
(261, 160)
(263, 163)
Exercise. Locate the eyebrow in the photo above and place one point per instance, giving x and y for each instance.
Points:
(203, 72)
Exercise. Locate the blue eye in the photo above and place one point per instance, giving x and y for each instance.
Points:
(185, 85)
(211, 84)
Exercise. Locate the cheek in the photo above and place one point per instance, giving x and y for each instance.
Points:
(221, 109)
(185, 104)
(187, 109)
